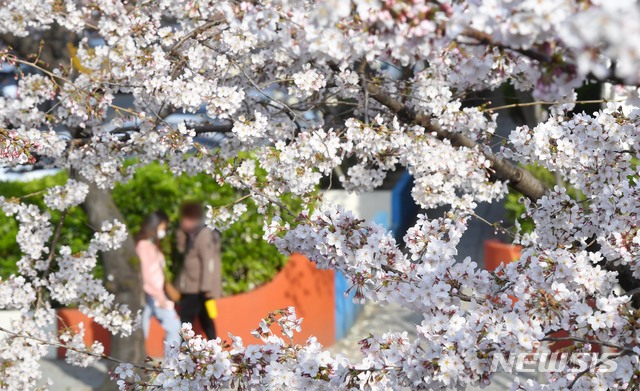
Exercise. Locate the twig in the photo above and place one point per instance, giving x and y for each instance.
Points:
(34, 194)
(273, 201)
(579, 375)
(468, 298)
(587, 341)
(235, 201)
(195, 32)
(52, 252)
(486, 39)
(56, 235)
(87, 352)
(495, 225)
(535, 103)
(261, 91)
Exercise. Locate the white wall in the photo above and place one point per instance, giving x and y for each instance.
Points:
(373, 206)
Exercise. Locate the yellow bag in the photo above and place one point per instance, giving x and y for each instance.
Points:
(212, 308)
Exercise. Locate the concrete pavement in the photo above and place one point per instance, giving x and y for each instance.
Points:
(67, 377)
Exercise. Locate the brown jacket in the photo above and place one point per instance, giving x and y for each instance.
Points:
(202, 265)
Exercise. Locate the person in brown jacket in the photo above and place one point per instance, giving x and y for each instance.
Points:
(200, 278)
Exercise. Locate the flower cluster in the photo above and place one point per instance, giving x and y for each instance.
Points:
(64, 197)
(274, 364)
(77, 353)
(221, 218)
(308, 81)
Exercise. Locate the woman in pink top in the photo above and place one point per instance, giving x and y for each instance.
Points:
(153, 229)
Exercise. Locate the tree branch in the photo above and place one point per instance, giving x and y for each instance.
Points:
(518, 178)
(195, 32)
(486, 39)
(56, 235)
(483, 38)
(87, 352)
(588, 341)
(224, 127)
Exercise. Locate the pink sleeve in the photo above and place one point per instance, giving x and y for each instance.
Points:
(152, 273)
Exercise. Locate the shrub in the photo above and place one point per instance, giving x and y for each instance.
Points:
(75, 234)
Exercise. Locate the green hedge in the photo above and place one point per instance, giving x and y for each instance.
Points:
(248, 261)
(76, 233)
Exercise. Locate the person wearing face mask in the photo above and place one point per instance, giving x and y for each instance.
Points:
(200, 278)
(152, 261)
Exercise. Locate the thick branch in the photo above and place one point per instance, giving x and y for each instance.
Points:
(220, 127)
(125, 131)
(486, 39)
(518, 178)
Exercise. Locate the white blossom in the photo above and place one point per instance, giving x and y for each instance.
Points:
(64, 197)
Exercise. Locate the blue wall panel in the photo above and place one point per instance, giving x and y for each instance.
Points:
(346, 310)
(403, 207)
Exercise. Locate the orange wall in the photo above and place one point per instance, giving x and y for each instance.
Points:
(497, 253)
(71, 318)
(299, 284)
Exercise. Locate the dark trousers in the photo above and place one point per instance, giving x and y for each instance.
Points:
(192, 306)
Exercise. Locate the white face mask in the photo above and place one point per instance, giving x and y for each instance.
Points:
(162, 233)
